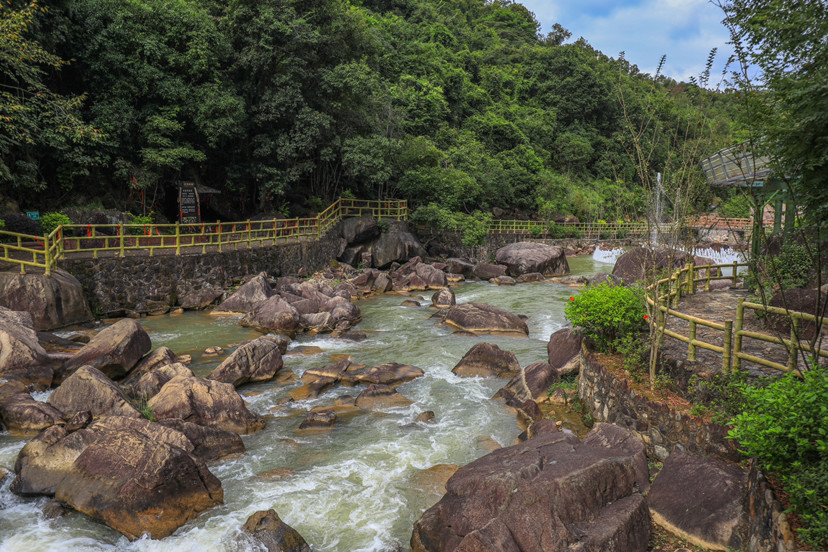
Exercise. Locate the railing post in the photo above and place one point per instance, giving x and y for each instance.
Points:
(726, 346)
(735, 266)
(46, 262)
(691, 347)
(121, 239)
(737, 335)
(691, 287)
(793, 353)
(204, 240)
(707, 279)
(248, 234)
(178, 238)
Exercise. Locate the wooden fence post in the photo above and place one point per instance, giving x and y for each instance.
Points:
(691, 347)
(794, 351)
(737, 335)
(726, 347)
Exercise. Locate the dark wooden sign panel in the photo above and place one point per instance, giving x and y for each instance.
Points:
(189, 210)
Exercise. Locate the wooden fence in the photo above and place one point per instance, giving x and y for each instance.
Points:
(668, 291)
(121, 239)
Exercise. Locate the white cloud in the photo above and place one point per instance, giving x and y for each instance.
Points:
(683, 30)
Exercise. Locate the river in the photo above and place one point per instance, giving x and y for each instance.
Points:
(350, 489)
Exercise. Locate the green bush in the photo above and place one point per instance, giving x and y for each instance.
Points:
(607, 313)
(572, 232)
(433, 217)
(633, 348)
(785, 426)
(50, 221)
(536, 231)
(554, 231)
(2, 224)
(736, 207)
(474, 227)
(791, 268)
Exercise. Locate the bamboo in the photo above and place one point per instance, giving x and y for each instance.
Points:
(794, 348)
(737, 335)
(726, 352)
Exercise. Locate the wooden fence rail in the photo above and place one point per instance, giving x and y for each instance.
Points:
(663, 297)
(45, 251)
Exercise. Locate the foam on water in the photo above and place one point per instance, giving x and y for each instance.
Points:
(608, 256)
(351, 489)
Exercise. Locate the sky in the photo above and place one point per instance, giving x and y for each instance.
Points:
(683, 30)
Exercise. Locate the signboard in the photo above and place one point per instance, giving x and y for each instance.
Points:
(34, 215)
(189, 210)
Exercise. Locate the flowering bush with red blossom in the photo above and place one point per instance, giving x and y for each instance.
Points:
(606, 313)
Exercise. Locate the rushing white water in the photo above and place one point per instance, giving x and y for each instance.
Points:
(607, 255)
(351, 489)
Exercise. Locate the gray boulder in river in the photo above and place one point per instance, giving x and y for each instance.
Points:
(257, 360)
(114, 350)
(552, 492)
(22, 358)
(483, 318)
(527, 257)
(54, 301)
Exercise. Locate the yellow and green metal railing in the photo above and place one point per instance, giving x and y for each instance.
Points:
(663, 300)
(44, 252)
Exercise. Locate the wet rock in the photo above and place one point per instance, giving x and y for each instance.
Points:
(409, 303)
(213, 351)
(444, 298)
(542, 427)
(53, 301)
(487, 271)
(390, 373)
(530, 277)
(503, 281)
(525, 257)
(22, 357)
(634, 265)
(433, 277)
(320, 419)
(22, 415)
(532, 383)
(205, 402)
(378, 396)
(89, 389)
(53, 510)
(199, 299)
(701, 500)
(245, 299)
(487, 360)
(426, 417)
(268, 530)
(433, 480)
(383, 283)
(603, 277)
(209, 443)
(355, 230)
(460, 266)
(395, 245)
(582, 495)
(157, 358)
(114, 351)
(482, 318)
(564, 350)
(148, 385)
(257, 360)
(273, 315)
(277, 474)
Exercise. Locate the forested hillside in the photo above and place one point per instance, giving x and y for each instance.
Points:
(285, 104)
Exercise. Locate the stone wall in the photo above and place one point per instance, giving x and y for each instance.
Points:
(768, 527)
(661, 428)
(151, 284)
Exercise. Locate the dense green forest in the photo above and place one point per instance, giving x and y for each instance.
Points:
(285, 104)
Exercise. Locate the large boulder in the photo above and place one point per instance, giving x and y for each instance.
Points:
(54, 301)
(114, 350)
(434, 278)
(159, 357)
(139, 485)
(552, 492)
(268, 531)
(209, 443)
(205, 402)
(22, 415)
(459, 266)
(702, 500)
(395, 245)
(22, 357)
(378, 396)
(248, 296)
(356, 230)
(273, 315)
(257, 360)
(564, 351)
(390, 373)
(530, 384)
(636, 264)
(526, 257)
(148, 385)
(482, 318)
(487, 271)
(487, 360)
(444, 298)
(88, 389)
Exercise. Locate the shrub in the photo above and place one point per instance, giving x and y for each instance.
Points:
(785, 426)
(474, 227)
(791, 268)
(2, 224)
(736, 207)
(633, 348)
(554, 231)
(50, 221)
(572, 232)
(433, 217)
(536, 231)
(606, 314)
(383, 225)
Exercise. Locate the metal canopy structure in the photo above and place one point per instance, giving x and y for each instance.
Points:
(736, 166)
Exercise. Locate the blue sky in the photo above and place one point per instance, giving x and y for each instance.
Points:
(683, 30)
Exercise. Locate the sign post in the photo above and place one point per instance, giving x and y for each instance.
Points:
(189, 208)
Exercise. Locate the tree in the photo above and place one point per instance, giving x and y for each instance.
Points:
(34, 120)
(786, 40)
